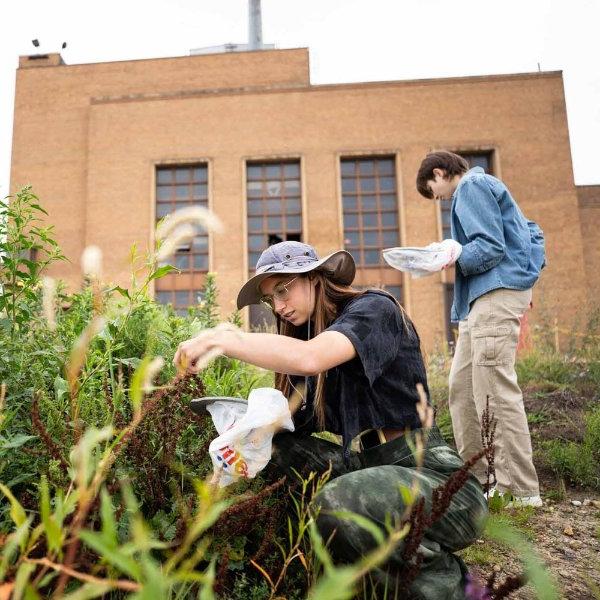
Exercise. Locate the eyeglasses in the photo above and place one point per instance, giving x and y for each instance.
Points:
(281, 293)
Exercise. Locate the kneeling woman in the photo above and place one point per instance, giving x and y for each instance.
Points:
(358, 357)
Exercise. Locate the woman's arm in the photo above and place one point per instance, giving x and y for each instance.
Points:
(270, 351)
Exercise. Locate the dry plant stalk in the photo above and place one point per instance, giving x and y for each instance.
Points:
(488, 432)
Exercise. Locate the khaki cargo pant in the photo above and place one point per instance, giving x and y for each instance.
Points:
(484, 365)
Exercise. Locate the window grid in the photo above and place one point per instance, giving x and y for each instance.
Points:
(370, 208)
(177, 187)
(274, 205)
(179, 299)
(181, 187)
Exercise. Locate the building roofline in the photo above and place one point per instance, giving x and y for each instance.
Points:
(161, 58)
(290, 88)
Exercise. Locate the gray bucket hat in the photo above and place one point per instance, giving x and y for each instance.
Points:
(295, 257)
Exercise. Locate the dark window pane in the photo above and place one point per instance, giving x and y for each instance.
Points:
(371, 257)
(180, 205)
(201, 262)
(256, 242)
(386, 167)
(163, 297)
(293, 205)
(387, 184)
(368, 202)
(349, 202)
(291, 170)
(348, 167)
(253, 258)
(274, 224)
(366, 167)
(352, 238)
(274, 207)
(254, 172)
(200, 242)
(390, 238)
(388, 202)
(293, 223)
(255, 224)
(182, 261)
(350, 220)
(389, 219)
(164, 176)
(200, 190)
(183, 175)
(370, 238)
(255, 207)
(164, 192)
(369, 219)
(200, 175)
(273, 171)
(367, 184)
(348, 185)
(182, 297)
(182, 191)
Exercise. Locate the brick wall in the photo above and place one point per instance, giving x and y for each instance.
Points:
(88, 137)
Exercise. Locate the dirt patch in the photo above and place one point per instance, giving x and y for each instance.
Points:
(567, 539)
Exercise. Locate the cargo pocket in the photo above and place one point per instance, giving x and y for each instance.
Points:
(490, 345)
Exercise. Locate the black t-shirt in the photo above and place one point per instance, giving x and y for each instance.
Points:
(377, 388)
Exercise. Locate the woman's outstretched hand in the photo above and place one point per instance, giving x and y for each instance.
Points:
(193, 355)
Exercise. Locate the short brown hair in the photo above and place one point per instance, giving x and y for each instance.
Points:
(452, 164)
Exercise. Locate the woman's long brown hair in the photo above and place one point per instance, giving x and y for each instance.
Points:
(330, 297)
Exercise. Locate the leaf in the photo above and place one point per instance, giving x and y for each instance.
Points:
(122, 291)
(60, 388)
(88, 590)
(109, 525)
(111, 554)
(162, 271)
(16, 441)
(206, 592)
(22, 578)
(51, 527)
(17, 512)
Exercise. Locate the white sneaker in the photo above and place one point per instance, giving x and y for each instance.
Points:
(523, 501)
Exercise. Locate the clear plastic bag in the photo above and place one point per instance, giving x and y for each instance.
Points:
(244, 445)
(420, 262)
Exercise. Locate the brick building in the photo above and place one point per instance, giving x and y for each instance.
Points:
(111, 147)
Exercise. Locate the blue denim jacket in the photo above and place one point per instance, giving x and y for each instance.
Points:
(501, 248)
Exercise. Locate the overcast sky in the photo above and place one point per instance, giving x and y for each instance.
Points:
(349, 40)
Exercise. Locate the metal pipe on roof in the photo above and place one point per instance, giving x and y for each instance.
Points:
(254, 25)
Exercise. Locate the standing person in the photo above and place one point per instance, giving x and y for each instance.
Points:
(499, 257)
(361, 357)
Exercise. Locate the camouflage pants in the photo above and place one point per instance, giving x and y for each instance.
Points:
(368, 484)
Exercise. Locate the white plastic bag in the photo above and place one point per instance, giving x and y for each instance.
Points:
(244, 445)
(420, 262)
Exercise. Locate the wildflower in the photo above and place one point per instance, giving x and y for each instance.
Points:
(475, 591)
